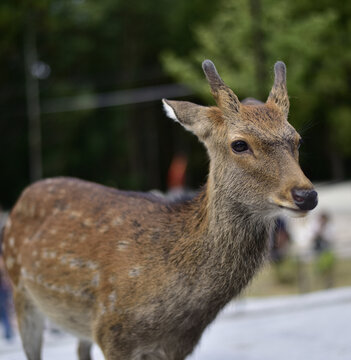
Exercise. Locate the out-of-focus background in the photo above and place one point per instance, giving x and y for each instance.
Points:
(93, 73)
(80, 89)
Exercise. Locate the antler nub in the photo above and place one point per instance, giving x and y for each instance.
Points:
(280, 74)
(226, 100)
(212, 75)
(279, 93)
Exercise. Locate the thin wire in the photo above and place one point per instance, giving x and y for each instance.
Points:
(117, 98)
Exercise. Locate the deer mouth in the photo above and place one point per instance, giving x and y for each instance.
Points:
(293, 211)
(288, 209)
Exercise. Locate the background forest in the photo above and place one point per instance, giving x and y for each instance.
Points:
(93, 74)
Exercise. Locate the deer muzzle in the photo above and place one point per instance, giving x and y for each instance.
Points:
(305, 199)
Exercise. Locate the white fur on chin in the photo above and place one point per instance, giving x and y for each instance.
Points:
(294, 214)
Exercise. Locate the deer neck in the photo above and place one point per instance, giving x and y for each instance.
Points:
(227, 217)
(230, 239)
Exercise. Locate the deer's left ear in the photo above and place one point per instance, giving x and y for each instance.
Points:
(194, 118)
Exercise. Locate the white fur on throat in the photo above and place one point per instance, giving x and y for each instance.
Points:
(169, 111)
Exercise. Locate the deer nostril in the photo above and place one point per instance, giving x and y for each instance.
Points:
(305, 199)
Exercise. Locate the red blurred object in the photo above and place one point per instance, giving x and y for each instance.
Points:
(176, 172)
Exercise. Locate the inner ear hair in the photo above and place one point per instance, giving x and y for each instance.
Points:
(169, 110)
(196, 118)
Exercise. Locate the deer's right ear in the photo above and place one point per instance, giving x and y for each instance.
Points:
(193, 117)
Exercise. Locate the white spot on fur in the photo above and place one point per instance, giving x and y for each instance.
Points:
(112, 279)
(169, 111)
(8, 224)
(67, 289)
(91, 265)
(12, 241)
(18, 208)
(53, 231)
(122, 245)
(102, 308)
(26, 241)
(96, 280)
(60, 290)
(88, 222)
(117, 221)
(75, 263)
(112, 299)
(26, 274)
(37, 264)
(75, 214)
(32, 210)
(9, 262)
(34, 253)
(55, 211)
(52, 254)
(103, 229)
(113, 296)
(135, 271)
(55, 287)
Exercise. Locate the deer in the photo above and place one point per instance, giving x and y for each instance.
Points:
(142, 276)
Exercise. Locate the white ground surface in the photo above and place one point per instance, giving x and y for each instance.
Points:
(315, 327)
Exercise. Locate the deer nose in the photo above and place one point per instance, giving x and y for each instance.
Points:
(305, 199)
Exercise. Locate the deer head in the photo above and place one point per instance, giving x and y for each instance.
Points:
(252, 147)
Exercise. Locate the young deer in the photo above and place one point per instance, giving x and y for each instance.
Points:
(143, 277)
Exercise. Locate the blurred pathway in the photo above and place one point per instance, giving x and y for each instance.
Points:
(314, 326)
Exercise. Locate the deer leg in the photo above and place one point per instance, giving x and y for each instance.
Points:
(31, 325)
(84, 347)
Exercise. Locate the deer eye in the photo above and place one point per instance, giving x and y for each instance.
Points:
(239, 146)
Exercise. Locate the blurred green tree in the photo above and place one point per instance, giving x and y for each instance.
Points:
(244, 40)
(97, 47)
(92, 47)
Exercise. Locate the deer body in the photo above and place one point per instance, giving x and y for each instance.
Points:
(138, 275)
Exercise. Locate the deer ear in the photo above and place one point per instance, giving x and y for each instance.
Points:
(193, 117)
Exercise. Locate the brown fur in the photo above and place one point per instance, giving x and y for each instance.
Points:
(140, 276)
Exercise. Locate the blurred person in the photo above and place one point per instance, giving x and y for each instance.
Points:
(280, 240)
(176, 175)
(322, 233)
(322, 237)
(5, 302)
(5, 287)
